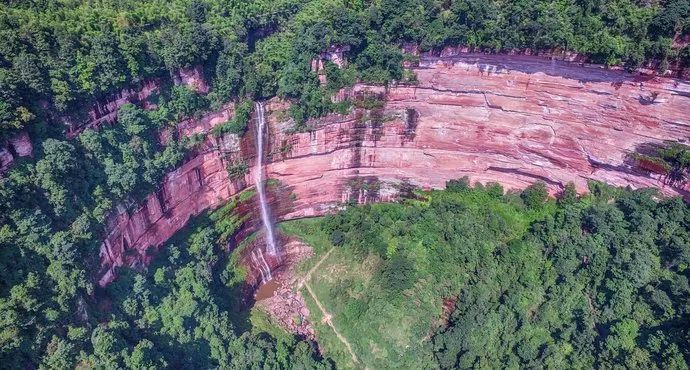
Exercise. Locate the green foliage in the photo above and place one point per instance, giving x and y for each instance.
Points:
(56, 172)
(185, 103)
(52, 214)
(13, 118)
(671, 160)
(237, 169)
(58, 58)
(535, 195)
(71, 54)
(228, 71)
(380, 63)
(677, 156)
(237, 125)
(102, 67)
(226, 222)
(337, 238)
(592, 282)
(181, 313)
(185, 45)
(369, 101)
(458, 186)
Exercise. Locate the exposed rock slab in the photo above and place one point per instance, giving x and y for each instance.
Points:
(105, 111)
(286, 305)
(193, 78)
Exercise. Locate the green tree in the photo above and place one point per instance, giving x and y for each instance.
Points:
(535, 195)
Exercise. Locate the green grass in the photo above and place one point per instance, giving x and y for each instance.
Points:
(309, 231)
(387, 334)
(392, 329)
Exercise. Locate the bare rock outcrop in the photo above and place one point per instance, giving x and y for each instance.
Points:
(105, 111)
(193, 78)
(18, 145)
(507, 119)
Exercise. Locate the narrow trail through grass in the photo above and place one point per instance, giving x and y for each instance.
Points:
(311, 271)
(327, 319)
(326, 316)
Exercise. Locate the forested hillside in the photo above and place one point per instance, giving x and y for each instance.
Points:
(64, 54)
(475, 278)
(60, 58)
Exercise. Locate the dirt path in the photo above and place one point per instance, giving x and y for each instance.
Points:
(327, 319)
(326, 316)
(311, 271)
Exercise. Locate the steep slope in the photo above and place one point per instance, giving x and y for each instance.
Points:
(509, 119)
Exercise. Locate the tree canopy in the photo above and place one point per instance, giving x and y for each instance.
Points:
(64, 55)
(471, 277)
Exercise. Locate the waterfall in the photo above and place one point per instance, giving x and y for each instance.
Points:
(260, 263)
(259, 180)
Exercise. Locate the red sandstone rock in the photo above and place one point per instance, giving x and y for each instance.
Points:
(286, 305)
(334, 54)
(650, 68)
(191, 126)
(512, 120)
(106, 112)
(20, 145)
(192, 78)
(199, 184)
(6, 159)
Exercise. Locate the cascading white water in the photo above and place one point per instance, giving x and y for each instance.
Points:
(260, 263)
(259, 180)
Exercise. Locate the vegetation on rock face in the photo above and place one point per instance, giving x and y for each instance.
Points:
(593, 282)
(57, 58)
(237, 169)
(52, 214)
(187, 311)
(671, 160)
(238, 123)
(65, 54)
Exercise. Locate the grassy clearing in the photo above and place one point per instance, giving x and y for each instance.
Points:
(390, 327)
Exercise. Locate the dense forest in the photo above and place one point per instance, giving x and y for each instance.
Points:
(473, 277)
(58, 58)
(64, 54)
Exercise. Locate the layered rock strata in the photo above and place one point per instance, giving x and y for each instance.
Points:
(106, 111)
(507, 119)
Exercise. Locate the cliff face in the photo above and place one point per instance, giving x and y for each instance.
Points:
(105, 111)
(512, 120)
(199, 184)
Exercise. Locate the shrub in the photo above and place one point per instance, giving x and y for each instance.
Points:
(535, 195)
(238, 123)
(337, 238)
(237, 169)
(459, 185)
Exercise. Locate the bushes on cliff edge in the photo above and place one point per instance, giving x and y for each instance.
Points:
(238, 123)
(65, 56)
